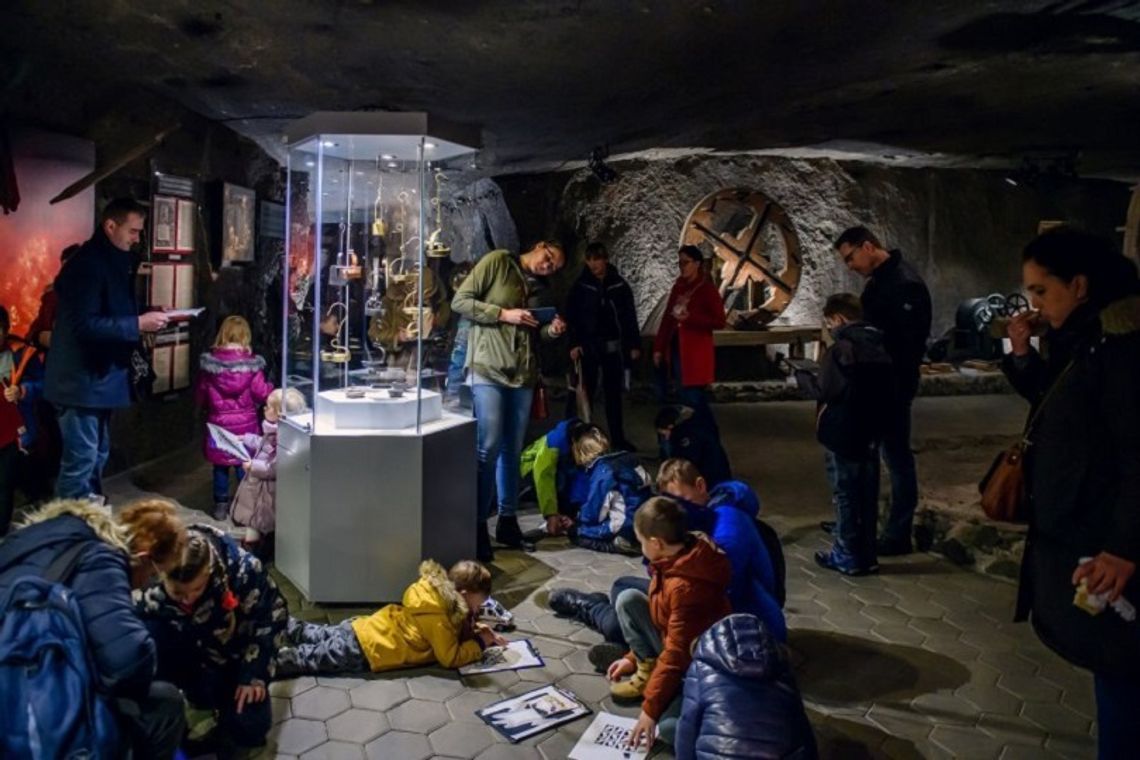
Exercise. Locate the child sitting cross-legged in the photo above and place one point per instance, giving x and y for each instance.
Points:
(688, 587)
(435, 623)
(618, 485)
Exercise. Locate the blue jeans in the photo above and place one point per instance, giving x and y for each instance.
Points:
(86, 435)
(501, 415)
(855, 493)
(1117, 705)
(897, 453)
(456, 370)
(645, 642)
(222, 481)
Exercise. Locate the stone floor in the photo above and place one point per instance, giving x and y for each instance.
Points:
(919, 661)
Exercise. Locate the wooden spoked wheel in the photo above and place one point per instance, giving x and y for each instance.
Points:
(755, 243)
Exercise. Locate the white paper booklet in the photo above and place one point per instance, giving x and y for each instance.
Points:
(184, 313)
(514, 656)
(228, 442)
(606, 739)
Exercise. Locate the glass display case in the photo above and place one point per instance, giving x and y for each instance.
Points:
(369, 271)
(373, 473)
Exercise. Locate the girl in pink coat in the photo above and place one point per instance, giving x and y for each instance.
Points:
(232, 387)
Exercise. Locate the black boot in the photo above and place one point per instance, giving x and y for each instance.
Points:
(508, 533)
(575, 604)
(483, 551)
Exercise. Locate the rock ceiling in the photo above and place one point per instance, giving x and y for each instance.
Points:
(547, 81)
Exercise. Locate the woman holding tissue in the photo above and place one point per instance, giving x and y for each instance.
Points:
(1082, 466)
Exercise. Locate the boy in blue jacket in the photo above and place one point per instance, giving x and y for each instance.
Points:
(618, 485)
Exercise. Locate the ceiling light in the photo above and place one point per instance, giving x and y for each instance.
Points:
(429, 145)
(310, 163)
(1011, 181)
(329, 144)
(392, 164)
(386, 156)
(360, 174)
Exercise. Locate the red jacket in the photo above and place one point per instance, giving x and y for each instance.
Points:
(687, 594)
(695, 333)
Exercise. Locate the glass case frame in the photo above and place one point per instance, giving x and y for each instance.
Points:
(367, 269)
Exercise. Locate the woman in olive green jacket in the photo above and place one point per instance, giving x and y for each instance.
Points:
(503, 370)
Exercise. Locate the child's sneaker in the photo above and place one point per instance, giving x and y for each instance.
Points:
(496, 615)
(633, 689)
(221, 511)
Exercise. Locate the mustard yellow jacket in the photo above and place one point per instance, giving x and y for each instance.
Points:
(425, 628)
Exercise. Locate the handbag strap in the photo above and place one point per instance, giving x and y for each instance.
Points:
(1044, 400)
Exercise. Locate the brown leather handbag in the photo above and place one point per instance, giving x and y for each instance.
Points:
(1003, 487)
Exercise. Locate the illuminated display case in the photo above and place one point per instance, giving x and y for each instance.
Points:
(374, 473)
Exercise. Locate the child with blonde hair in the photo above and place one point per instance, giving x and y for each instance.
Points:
(618, 484)
(231, 386)
(435, 622)
(255, 504)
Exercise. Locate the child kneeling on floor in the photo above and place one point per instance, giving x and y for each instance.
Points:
(435, 623)
(688, 588)
(255, 503)
(618, 485)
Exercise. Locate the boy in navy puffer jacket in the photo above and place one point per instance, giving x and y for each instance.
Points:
(618, 485)
(741, 699)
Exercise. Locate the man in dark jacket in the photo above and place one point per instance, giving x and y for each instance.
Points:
(897, 302)
(604, 335)
(122, 651)
(856, 389)
(97, 329)
(692, 434)
(741, 698)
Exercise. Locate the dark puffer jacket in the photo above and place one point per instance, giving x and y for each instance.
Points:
(741, 700)
(1083, 479)
(121, 647)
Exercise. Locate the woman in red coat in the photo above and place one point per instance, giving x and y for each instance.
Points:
(683, 349)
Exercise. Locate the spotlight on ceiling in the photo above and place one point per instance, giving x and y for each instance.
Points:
(1011, 181)
(599, 167)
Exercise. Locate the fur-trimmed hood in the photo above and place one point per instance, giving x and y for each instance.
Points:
(97, 518)
(1121, 317)
(221, 360)
(434, 592)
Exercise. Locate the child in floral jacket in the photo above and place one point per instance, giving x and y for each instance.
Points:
(218, 620)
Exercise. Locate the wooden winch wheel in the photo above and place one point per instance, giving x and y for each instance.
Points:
(744, 260)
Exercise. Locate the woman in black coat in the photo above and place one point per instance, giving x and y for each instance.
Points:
(741, 700)
(1082, 464)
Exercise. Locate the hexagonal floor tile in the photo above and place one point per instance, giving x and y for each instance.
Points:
(509, 752)
(434, 688)
(281, 708)
(335, 751)
(292, 687)
(340, 682)
(398, 744)
(588, 688)
(357, 725)
(548, 673)
(297, 735)
(463, 707)
(495, 682)
(320, 703)
(461, 739)
(379, 695)
(417, 715)
(578, 661)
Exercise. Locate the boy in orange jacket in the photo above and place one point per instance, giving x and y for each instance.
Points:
(688, 592)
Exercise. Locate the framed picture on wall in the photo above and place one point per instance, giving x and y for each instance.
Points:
(164, 224)
(239, 208)
(187, 218)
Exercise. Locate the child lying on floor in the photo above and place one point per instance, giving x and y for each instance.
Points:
(435, 623)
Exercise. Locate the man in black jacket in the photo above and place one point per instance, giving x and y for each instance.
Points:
(897, 302)
(97, 329)
(604, 335)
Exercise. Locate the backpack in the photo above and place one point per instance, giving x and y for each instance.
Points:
(771, 540)
(49, 705)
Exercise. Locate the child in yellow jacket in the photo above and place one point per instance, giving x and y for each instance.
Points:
(434, 623)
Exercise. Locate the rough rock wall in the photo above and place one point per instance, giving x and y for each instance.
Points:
(476, 220)
(964, 229)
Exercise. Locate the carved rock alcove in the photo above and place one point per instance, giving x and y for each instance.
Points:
(757, 252)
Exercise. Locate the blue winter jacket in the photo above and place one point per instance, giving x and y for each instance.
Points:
(618, 486)
(731, 524)
(741, 699)
(96, 329)
(572, 481)
(121, 647)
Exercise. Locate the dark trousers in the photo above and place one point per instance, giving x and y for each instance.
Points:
(10, 457)
(612, 369)
(222, 481)
(603, 613)
(855, 494)
(155, 724)
(897, 453)
(211, 686)
(1117, 708)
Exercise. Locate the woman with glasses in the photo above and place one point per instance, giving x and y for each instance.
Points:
(503, 371)
(683, 349)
